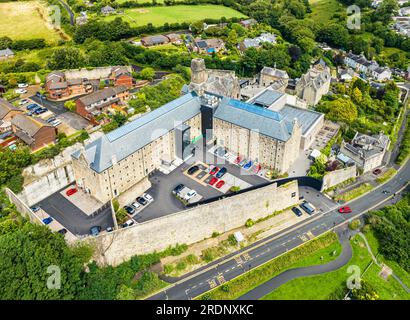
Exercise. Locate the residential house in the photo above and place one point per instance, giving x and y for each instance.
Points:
(8, 111)
(121, 76)
(366, 67)
(269, 75)
(156, 40)
(6, 54)
(366, 151)
(405, 11)
(257, 42)
(107, 10)
(402, 25)
(98, 102)
(35, 132)
(381, 74)
(248, 23)
(209, 46)
(81, 19)
(174, 38)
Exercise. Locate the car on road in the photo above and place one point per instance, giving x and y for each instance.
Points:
(214, 170)
(128, 223)
(148, 197)
(62, 231)
(297, 211)
(41, 96)
(35, 208)
(142, 200)
(190, 194)
(386, 192)
(95, 231)
(220, 184)
(308, 207)
(71, 191)
(345, 209)
(178, 189)
(136, 205)
(47, 220)
(20, 91)
(129, 209)
(192, 170)
(23, 102)
(221, 172)
(212, 181)
(237, 160)
(377, 171)
(22, 85)
(248, 165)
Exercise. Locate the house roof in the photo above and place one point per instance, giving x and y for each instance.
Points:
(58, 85)
(6, 53)
(6, 107)
(306, 118)
(30, 125)
(157, 39)
(267, 98)
(275, 72)
(102, 94)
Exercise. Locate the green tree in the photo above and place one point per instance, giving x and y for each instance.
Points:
(66, 58)
(147, 74)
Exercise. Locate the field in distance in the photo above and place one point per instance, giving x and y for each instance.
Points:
(26, 20)
(173, 14)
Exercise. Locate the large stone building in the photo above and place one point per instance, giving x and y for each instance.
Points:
(123, 158)
(314, 84)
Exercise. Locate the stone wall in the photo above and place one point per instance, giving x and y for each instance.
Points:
(46, 177)
(333, 178)
(94, 74)
(193, 225)
(22, 207)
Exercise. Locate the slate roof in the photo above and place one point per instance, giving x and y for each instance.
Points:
(307, 118)
(275, 72)
(6, 107)
(134, 135)
(153, 40)
(267, 98)
(30, 125)
(102, 94)
(6, 53)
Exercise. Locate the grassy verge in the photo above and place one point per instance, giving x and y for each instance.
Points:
(354, 193)
(387, 175)
(308, 254)
(405, 144)
(332, 285)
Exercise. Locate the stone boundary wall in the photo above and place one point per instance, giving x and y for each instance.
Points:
(22, 207)
(94, 74)
(194, 224)
(333, 178)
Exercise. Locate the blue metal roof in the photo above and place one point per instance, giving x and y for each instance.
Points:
(255, 109)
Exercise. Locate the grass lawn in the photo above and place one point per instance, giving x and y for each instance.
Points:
(321, 287)
(323, 10)
(386, 175)
(22, 20)
(306, 255)
(174, 14)
(354, 193)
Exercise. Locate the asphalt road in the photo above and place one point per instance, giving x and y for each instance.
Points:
(227, 268)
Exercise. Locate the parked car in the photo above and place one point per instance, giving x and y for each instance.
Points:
(213, 181)
(142, 201)
(32, 106)
(297, 211)
(192, 193)
(23, 102)
(345, 209)
(109, 229)
(221, 172)
(377, 171)
(71, 191)
(62, 231)
(237, 160)
(95, 231)
(220, 184)
(178, 189)
(192, 170)
(220, 151)
(243, 162)
(20, 91)
(129, 209)
(214, 170)
(41, 96)
(128, 223)
(248, 165)
(35, 208)
(148, 197)
(47, 220)
(22, 85)
(51, 119)
(257, 167)
(308, 207)
(55, 123)
(136, 205)
(40, 110)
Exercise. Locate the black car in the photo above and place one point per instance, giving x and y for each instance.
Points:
(142, 201)
(297, 211)
(178, 188)
(62, 231)
(51, 119)
(94, 231)
(129, 209)
(221, 172)
(192, 170)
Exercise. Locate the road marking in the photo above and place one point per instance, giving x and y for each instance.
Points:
(221, 278)
(303, 238)
(310, 234)
(246, 256)
(212, 283)
(238, 260)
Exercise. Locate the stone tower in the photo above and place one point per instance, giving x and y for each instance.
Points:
(198, 71)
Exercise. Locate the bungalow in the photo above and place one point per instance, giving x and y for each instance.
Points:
(6, 54)
(209, 46)
(174, 38)
(98, 102)
(8, 111)
(257, 42)
(248, 23)
(35, 132)
(107, 10)
(154, 40)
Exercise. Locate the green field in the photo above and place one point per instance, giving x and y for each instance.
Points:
(22, 20)
(174, 14)
(321, 287)
(323, 10)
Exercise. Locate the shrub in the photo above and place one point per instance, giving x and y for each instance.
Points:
(215, 234)
(181, 265)
(208, 255)
(168, 268)
(231, 240)
(249, 223)
(355, 224)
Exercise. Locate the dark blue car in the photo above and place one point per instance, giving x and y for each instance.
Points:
(47, 220)
(221, 172)
(248, 165)
(32, 106)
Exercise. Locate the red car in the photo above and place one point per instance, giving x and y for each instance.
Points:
(377, 171)
(257, 168)
(345, 209)
(238, 159)
(220, 184)
(212, 181)
(71, 191)
(214, 170)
